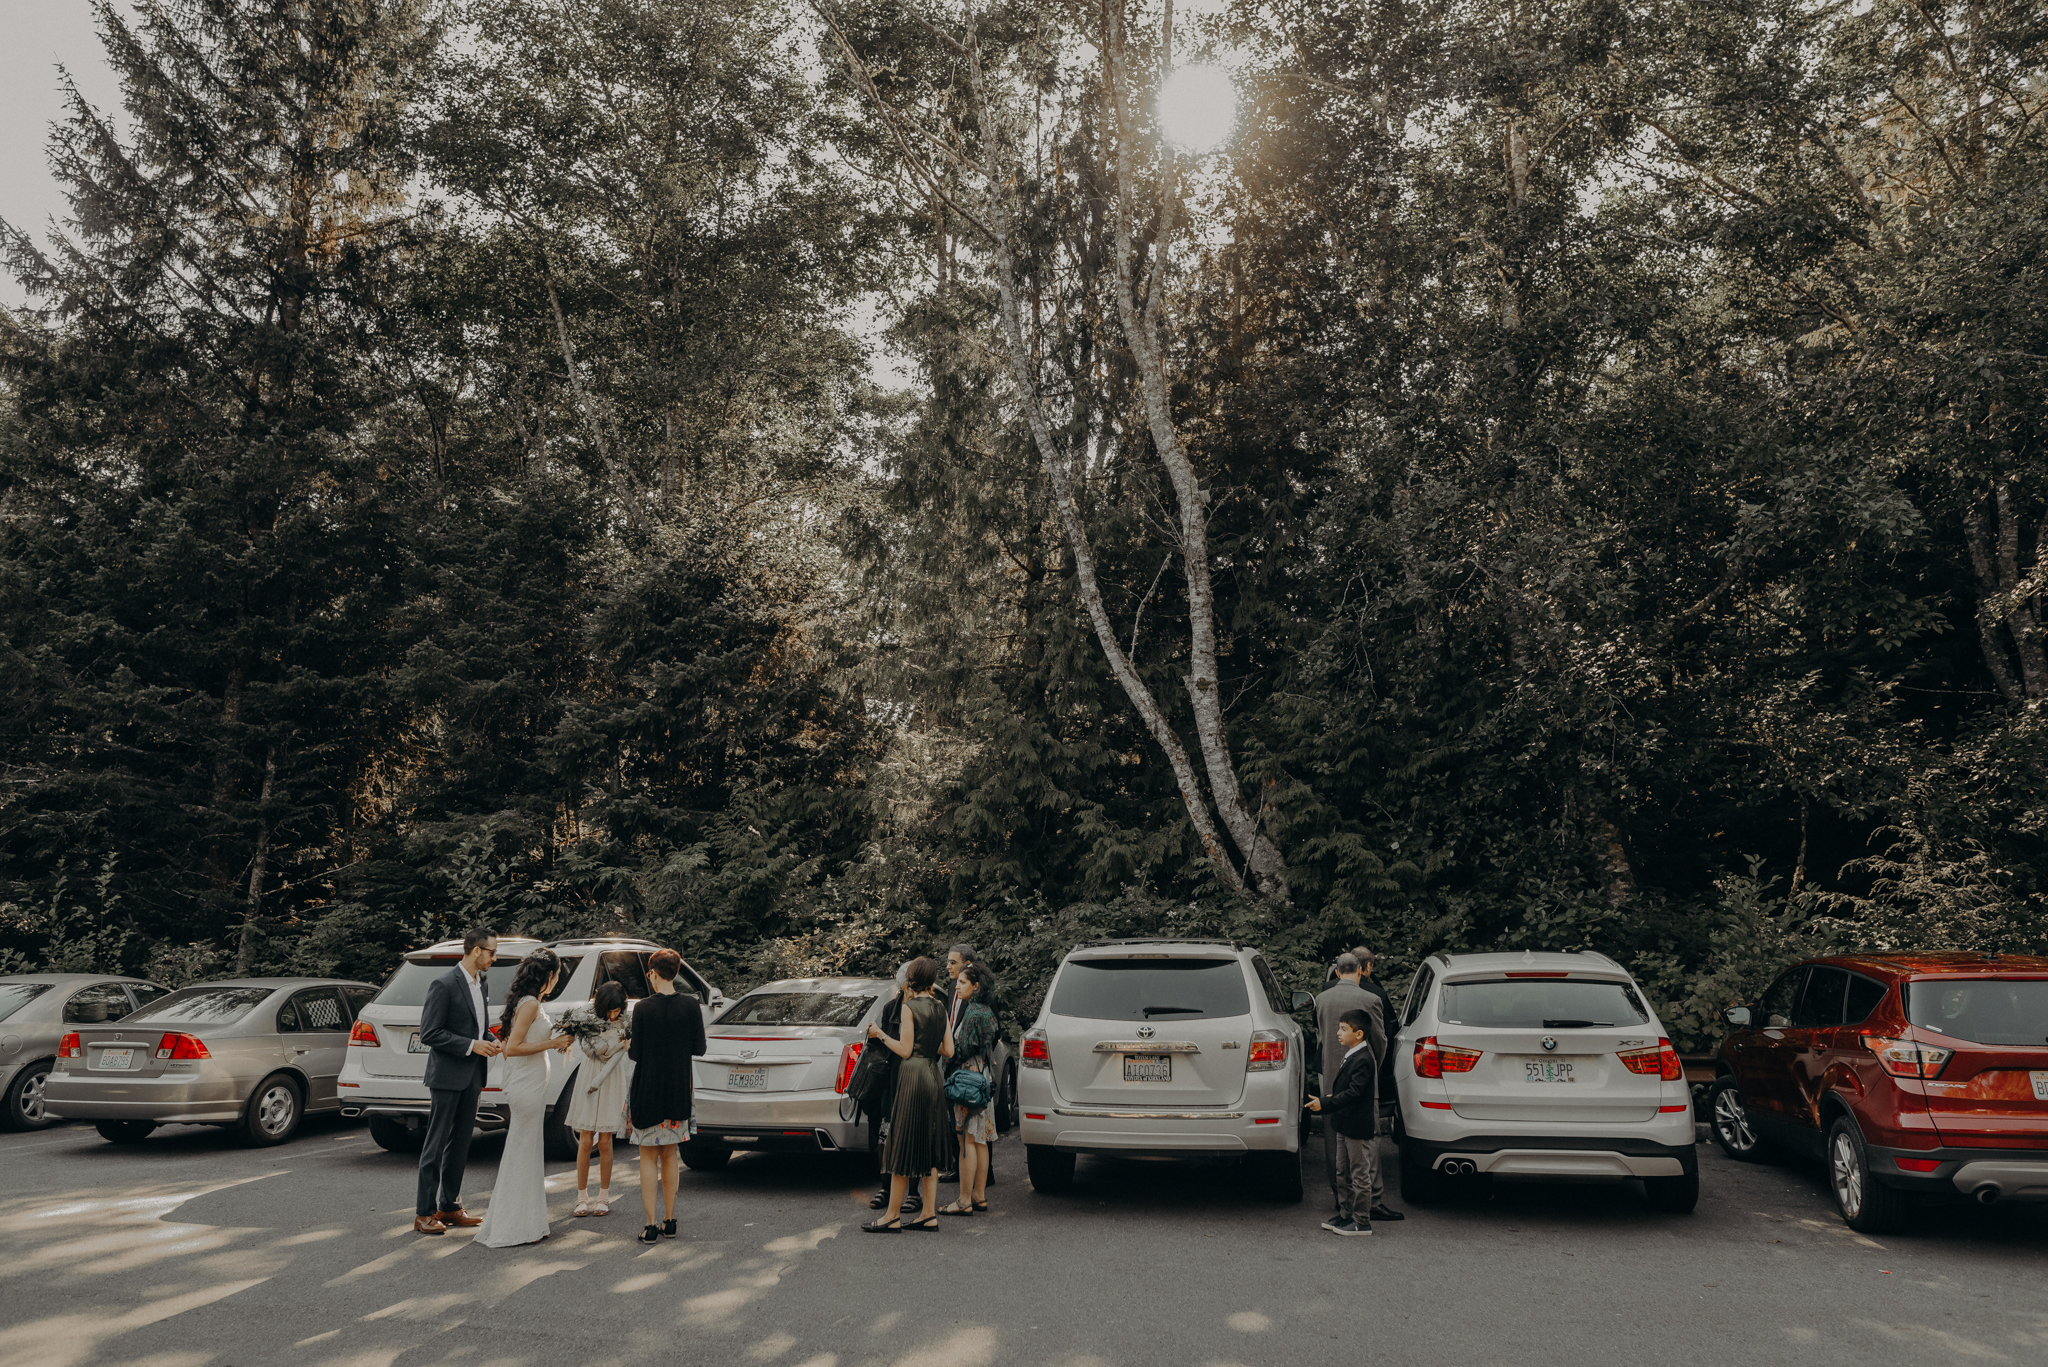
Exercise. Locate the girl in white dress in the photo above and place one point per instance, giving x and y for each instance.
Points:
(597, 1111)
(519, 1199)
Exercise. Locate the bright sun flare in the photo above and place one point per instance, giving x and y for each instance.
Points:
(1198, 107)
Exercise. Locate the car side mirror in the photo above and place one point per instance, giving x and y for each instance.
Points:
(1736, 1015)
(1304, 1001)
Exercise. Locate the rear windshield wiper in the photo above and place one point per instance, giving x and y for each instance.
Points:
(1172, 1010)
(1573, 1025)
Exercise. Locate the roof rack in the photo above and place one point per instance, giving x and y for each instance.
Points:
(1157, 940)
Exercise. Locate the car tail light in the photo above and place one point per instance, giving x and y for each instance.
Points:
(364, 1036)
(1906, 1058)
(69, 1047)
(1434, 1060)
(848, 1057)
(1269, 1051)
(181, 1047)
(1035, 1054)
(1659, 1062)
(1918, 1164)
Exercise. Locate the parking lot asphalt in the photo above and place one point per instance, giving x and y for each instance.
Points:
(192, 1251)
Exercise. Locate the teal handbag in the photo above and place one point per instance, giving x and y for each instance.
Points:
(970, 1087)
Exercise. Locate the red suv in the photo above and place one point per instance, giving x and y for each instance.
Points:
(1906, 1073)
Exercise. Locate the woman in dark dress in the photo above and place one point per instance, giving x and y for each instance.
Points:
(882, 1104)
(921, 1140)
(668, 1034)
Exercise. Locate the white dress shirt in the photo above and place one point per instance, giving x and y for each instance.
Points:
(1352, 1050)
(476, 1000)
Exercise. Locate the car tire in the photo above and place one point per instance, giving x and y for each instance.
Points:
(23, 1108)
(1421, 1184)
(1006, 1101)
(705, 1157)
(394, 1137)
(1050, 1171)
(557, 1140)
(1277, 1176)
(1729, 1121)
(1867, 1205)
(274, 1111)
(125, 1131)
(1673, 1195)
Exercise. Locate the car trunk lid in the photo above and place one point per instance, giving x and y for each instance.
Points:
(771, 1058)
(1550, 1047)
(1150, 1030)
(1993, 1090)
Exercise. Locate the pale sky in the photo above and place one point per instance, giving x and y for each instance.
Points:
(41, 34)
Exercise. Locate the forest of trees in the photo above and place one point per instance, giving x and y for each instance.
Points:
(811, 482)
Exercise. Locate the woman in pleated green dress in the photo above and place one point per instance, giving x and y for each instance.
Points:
(921, 1139)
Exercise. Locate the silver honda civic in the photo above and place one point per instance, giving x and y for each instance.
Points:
(35, 1011)
(254, 1054)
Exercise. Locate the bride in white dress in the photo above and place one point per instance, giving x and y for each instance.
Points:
(519, 1200)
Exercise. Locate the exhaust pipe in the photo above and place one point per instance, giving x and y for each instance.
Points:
(1460, 1167)
(1987, 1193)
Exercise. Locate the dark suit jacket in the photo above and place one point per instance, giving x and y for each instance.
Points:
(1350, 1105)
(448, 1026)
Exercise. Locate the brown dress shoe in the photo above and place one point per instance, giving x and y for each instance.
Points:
(427, 1224)
(459, 1219)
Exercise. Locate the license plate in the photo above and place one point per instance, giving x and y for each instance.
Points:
(1547, 1070)
(125, 1058)
(746, 1079)
(413, 1045)
(2040, 1081)
(1148, 1067)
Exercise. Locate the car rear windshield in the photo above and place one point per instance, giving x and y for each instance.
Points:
(204, 1006)
(1541, 1004)
(800, 1008)
(14, 996)
(1982, 1010)
(1151, 989)
(408, 986)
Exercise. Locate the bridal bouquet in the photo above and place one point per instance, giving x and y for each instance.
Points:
(583, 1023)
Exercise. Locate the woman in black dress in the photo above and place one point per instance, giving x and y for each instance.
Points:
(668, 1034)
(921, 1139)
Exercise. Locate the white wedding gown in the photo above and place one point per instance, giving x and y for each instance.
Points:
(518, 1212)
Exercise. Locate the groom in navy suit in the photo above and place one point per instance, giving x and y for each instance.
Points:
(453, 1027)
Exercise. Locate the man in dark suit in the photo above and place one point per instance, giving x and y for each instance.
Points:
(454, 1025)
(1350, 1108)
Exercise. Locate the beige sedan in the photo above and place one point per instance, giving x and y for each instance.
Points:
(255, 1054)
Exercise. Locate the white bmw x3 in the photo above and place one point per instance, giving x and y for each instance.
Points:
(1539, 1065)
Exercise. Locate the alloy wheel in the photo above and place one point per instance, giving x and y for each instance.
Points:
(1846, 1168)
(274, 1111)
(32, 1098)
(1732, 1118)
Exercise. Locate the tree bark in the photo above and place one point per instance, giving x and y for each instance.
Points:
(259, 868)
(1140, 319)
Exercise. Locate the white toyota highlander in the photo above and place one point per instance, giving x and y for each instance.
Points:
(1540, 1065)
(1164, 1048)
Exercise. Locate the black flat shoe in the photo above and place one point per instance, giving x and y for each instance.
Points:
(651, 1235)
(928, 1225)
(981, 1205)
(911, 1205)
(949, 1210)
(668, 1229)
(878, 1200)
(883, 1227)
(1385, 1213)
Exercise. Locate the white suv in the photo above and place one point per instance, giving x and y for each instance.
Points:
(384, 1074)
(1546, 1065)
(1164, 1048)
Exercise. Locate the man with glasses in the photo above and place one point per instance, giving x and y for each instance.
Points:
(454, 1026)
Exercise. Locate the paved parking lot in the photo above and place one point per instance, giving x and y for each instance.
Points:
(189, 1251)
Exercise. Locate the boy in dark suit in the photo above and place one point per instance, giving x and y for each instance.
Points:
(1351, 1107)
